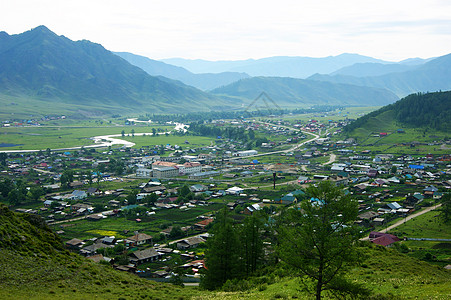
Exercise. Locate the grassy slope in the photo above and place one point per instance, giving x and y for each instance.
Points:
(34, 265)
(386, 272)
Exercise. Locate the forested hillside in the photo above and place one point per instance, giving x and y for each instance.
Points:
(430, 110)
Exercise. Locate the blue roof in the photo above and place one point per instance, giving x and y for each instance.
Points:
(416, 167)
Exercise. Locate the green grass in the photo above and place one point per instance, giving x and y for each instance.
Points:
(194, 141)
(54, 137)
(428, 225)
(386, 272)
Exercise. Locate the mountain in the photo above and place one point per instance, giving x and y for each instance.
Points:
(40, 65)
(291, 91)
(430, 110)
(278, 66)
(205, 81)
(433, 75)
(372, 69)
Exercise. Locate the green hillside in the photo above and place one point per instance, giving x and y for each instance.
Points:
(296, 92)
(35, 265)
(420, 111)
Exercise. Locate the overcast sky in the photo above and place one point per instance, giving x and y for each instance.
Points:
(240, 29)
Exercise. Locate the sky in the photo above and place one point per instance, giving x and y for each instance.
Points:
(392, 30)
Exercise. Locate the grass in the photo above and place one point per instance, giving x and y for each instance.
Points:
(427, 225)
(194, 141)
(386, 272)
(54, 137)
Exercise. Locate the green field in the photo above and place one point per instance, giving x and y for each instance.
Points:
(56, 137)
(148, 140)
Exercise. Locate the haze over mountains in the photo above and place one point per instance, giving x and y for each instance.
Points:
(39, 65)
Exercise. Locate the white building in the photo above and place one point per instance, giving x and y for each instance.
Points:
(245, 153)
(190, 168)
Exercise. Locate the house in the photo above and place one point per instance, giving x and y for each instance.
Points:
(92, 249)
(394, 205)
(302, 179)
(143, 256)
(413, 199)
(251, 209)
(191, 242)
(383, 239)
(234, 190)
(198, 188)
(93, 191)
(368, 215)
(108, 240)
(139, 239)
(202, 224)
(78, 195)
(74, 243)
(372, 173)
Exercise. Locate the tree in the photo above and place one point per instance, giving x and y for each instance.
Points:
(445, 211)
(151, 199)
(133, 132)
(319, 239)
(251, 242)
(222, 256)
(123, 133)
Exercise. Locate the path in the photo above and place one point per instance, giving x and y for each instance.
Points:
(332, 158)
(400, 222)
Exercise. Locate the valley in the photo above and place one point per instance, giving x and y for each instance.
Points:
(126, 177)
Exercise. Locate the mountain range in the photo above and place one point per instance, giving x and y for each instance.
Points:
(42, 65)
(433, 75)
(295, 92)
(278, 66)
(41, 72)
(204, 81)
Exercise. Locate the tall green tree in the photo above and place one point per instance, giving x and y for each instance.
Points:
(223, 254)
(251, 242)
(319, 239)
(445, 211)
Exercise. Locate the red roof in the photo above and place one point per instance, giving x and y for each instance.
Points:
(383, 239)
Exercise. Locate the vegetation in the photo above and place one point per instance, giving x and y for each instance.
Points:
(430, 110)
(319, 239)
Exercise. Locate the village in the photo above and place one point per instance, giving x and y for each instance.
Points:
(143, 209)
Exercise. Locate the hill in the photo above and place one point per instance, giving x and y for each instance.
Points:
(42, 66)
(204, 81)
(35, 265)
(279, 66)
(434, 75)
(295, 92)
(431, 110)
